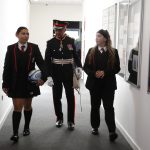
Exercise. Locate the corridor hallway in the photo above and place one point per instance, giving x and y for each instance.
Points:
(45, 136)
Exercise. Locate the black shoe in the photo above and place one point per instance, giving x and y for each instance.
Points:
(113, 136)
(94, 131)
(26, 132)
(14, 138)
(59, 123)
(71, 126)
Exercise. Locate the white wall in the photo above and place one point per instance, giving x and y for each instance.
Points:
(42, 17)
(13, 14)
(132, 105)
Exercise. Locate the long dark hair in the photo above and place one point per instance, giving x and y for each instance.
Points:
(111, 50)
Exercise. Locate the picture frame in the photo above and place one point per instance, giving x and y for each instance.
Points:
(109, 22)
(123, 7)
(148, 83)
(134, 42)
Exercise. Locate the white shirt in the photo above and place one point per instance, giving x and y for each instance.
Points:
(26, 45)
(100, 49)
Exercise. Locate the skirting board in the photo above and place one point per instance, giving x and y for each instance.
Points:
(127, 136)
(5, 116)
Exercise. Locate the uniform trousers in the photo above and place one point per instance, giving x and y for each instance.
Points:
(107, 97)
(57, 94)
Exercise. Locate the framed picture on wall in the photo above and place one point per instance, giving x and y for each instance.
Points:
(134, 42)
(130, 39)
(122, 34)
(148, 88)
(109, 21)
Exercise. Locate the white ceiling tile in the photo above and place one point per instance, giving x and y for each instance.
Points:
(57, 1)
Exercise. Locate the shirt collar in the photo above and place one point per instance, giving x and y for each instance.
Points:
(19, 45)
(99, 48)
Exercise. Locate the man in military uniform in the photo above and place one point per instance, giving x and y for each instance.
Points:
(60, 56)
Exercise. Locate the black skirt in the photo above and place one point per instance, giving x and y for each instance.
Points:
(24, 89)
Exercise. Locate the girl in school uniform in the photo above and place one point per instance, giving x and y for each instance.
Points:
(20, 59)
(101, 65)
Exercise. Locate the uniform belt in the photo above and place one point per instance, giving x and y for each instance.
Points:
(62, 61)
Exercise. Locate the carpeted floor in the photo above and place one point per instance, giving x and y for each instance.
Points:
(45, 136)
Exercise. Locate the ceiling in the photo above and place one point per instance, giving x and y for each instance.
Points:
(73, 2)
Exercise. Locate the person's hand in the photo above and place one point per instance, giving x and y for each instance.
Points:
(78, 72)
(5, 90)
(100, 74)
(50, 81)
(40, 83)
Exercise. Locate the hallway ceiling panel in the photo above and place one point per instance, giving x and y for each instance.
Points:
(56, 1)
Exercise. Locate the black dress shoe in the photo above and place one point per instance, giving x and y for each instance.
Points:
(95, 131)
(26, 132)
(113, 136)
(59, 123)
(71, 126)
(14, 138)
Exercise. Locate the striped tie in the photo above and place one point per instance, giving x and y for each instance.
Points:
(22, 48)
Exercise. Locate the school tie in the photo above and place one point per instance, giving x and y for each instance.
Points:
(102, 50)
(22, 48)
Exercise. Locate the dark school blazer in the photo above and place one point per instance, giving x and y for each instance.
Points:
(109, 78)
(10, 66)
